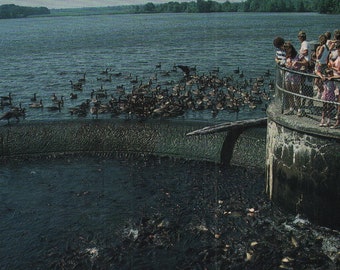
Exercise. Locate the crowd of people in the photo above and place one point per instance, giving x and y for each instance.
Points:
(323, 61)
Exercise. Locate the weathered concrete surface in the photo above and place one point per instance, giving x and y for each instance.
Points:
(302, 167)
(164, 138)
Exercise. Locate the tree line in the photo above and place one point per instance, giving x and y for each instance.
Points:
(13, 11)
(202, 6)
(198, 6)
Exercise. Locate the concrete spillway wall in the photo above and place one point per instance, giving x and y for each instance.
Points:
(163, 138)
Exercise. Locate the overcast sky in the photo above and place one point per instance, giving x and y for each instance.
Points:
(89, 3)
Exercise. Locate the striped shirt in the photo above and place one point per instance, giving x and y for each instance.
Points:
(281, 57)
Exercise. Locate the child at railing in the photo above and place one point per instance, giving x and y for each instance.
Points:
(328, 94)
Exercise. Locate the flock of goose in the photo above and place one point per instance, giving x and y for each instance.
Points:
(157, 98)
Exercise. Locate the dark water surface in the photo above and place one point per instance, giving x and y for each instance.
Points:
(149, 213)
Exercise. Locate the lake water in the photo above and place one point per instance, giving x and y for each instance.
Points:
(42, 55)
(101, 213)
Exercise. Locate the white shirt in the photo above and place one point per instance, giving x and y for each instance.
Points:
(304, 47)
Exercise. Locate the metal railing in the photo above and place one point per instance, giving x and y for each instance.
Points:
(300, 94)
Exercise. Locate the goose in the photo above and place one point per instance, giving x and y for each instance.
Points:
(101, 94)
(165, 73)
(73, 96)
(36, 104)
(159, 65)
(108, 79)
(118, 74)
(174, 68)
(185, 69)
(34, 98)
(56, 100)
(120, 89)
(54, 108)
(267, 73)
(9, 97)
(236, 71)
(106, 71)
(94, 110)
(134, 80)
(54, 97)
(82, 80)
(5, 103)
(154, 77)
(76, 86)
(80, 110)
(8, 115)
(17, 109)
(194, 69)
(260, 80)
(13, 114)
(216, 70)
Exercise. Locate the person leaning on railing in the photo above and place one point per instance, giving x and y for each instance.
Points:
(321, 61)
(334, 64)
(328, 95)
(296, 62)
(280, 54)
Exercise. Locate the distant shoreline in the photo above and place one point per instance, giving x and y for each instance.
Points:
(9, 11)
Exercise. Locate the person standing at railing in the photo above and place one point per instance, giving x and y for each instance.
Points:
(333, 45)
(321, 63)
(280, 56)
(293, 81)
(305, 52)
(328, 95)
(334, 64)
